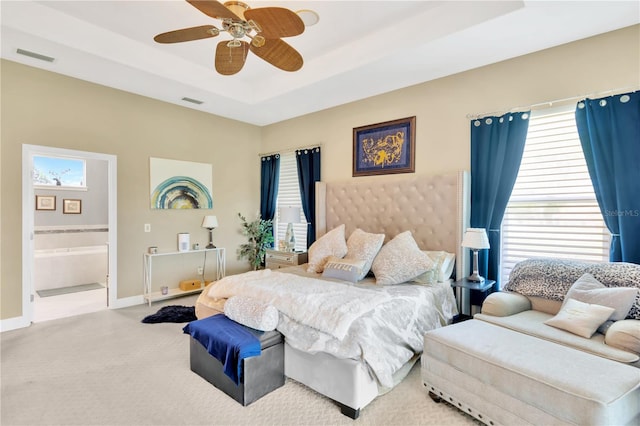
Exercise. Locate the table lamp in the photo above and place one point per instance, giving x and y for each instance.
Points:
(290, 215)
(210, 222)
(475, 239)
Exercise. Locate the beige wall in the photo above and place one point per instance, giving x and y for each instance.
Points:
(42, 108)
(602, 63)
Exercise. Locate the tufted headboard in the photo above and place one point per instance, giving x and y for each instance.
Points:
(434, 208)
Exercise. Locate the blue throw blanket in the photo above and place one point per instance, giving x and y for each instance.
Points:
(227, 341)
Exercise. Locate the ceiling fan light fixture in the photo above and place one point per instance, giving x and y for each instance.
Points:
(264, 26)
(237, 7)
(258, 41)
(309, 17)
(254, 26)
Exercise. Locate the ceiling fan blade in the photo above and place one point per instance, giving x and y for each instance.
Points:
(213, 9)
(187, 34)
(230, 60)
(276, 22)
(279, 54)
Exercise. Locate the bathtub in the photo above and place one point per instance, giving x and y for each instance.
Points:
(69, 266)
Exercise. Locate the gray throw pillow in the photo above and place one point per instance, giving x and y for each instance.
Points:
(587, 289)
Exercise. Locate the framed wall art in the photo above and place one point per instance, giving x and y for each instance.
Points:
(385, 148)
(176, 184)
(70, 206)
(45, 202)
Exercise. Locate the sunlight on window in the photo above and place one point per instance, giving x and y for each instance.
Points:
(553, 210)
(59, 172)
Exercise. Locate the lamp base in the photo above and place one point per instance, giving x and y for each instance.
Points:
(475, 278)
(210, 245)
(290, 238)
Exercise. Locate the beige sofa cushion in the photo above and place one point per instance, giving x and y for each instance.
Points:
(532, 323)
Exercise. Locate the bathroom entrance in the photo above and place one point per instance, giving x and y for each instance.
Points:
(71, 230)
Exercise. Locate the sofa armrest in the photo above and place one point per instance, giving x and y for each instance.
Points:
(625, 335)
(504, 303)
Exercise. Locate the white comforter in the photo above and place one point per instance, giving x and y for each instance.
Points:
(382, 325)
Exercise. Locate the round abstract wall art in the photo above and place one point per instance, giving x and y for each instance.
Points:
(181, 192)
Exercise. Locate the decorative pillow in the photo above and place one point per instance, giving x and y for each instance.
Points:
(343, 269)
(430, 276)
(580, 318)
(589, 290)
(364, 246)
(446, 262)
(251, 312)
(400, 260)
(330, 244)
(624, 335)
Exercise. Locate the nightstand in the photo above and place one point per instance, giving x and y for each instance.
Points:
(275, 259)
(463, 288)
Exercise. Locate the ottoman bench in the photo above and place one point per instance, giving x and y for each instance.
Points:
(261, 374)
(501, 376)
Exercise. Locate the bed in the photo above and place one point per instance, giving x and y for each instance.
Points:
(353, 362)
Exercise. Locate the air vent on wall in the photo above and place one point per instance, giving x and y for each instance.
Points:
(35, 55)
(193, 101)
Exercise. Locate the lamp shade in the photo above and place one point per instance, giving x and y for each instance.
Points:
(475, 238)
(290, 214)
(210, 222)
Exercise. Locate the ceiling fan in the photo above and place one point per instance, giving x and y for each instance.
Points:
(264, 27)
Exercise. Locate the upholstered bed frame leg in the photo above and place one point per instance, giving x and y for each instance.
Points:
(348, 411)
(435, 397)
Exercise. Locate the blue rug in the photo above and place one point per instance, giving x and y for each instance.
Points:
(172, 313)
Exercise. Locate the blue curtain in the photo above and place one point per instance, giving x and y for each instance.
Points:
(308, 162)
(609, 130)
(269, 181)
(497, 144)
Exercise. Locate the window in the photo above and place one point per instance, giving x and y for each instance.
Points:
(553, 210)
(289, 195)
(59, 173)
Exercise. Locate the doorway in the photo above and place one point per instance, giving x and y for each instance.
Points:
(69, 236)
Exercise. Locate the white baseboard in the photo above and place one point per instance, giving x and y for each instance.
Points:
(126, 302)
(13, 324)
(21, 322)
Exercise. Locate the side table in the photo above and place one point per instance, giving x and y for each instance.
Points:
(275, 259)
(463, 289)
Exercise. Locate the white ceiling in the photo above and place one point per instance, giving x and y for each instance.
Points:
(358, 49)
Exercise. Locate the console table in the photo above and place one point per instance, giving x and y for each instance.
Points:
(152, 296)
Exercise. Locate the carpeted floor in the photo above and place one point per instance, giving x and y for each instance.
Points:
(108, 368)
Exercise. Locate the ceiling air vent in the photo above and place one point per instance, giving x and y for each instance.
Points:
(193, 101)
(35, 55)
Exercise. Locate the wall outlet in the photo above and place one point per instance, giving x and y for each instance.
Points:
(200, 270)
(147, 227)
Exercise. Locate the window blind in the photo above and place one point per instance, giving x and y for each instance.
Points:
(289, 195)
(553, 210)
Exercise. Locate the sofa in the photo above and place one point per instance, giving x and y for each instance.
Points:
(559, 345)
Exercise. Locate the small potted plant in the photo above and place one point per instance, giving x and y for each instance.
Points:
(260, 237)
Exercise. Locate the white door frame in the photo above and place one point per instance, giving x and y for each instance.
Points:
(28, 219)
